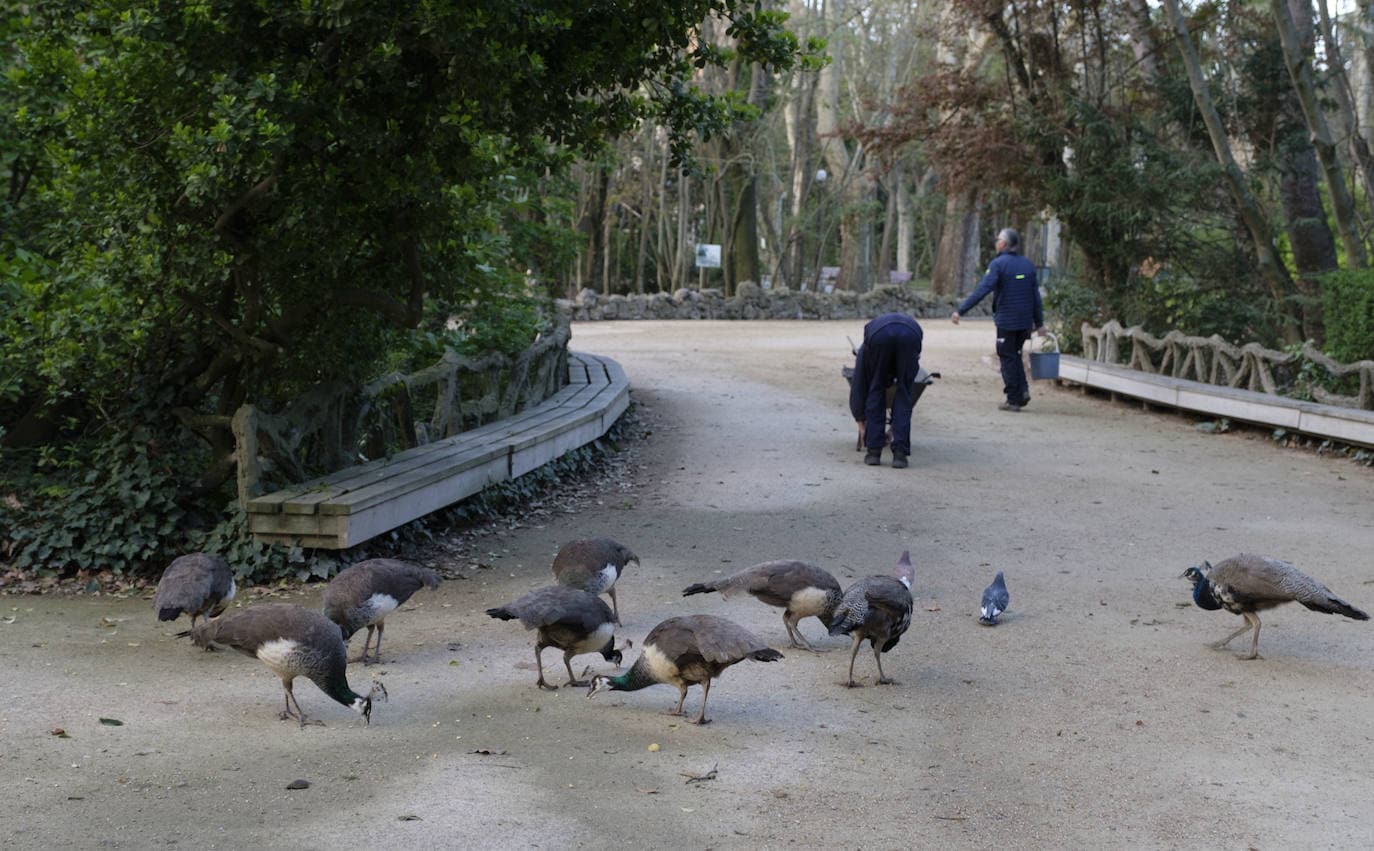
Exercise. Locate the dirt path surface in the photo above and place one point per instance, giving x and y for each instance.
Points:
(1095, 716)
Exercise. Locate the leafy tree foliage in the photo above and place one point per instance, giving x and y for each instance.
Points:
(211, 203)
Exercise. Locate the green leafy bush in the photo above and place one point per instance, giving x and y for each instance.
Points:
(112, 504)
(1348, 304)
(1068, 304)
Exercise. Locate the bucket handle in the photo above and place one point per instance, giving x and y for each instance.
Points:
(1053, 338)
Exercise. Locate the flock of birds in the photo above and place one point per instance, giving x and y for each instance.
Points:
(681, 651)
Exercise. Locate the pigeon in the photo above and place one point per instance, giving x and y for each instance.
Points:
(995, 600)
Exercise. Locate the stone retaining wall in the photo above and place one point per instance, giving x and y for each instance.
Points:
(753, 302)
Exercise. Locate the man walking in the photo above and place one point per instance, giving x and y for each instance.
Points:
(1016, 311)
(889, 357)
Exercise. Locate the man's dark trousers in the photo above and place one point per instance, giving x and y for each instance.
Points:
(1009, 345)
(894, 349)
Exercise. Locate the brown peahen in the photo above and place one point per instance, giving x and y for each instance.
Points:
(876, 608)
(197, 584)
(801, 590)
(364, 594)
(593, 565)
(687, 651)
(1247, 584)
(571, 620)
(293, 642)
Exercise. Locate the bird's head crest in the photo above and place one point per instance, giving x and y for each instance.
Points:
(904, 572)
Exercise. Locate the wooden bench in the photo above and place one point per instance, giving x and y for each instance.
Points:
(1348, 425)
(352, 505)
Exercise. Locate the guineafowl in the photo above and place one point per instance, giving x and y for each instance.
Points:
(995, 600)
(686, 651)
(196, 584)
(1246, 584)
(364, 594)
(293, 642)
(877, 608)
(571, 620)
(801, 590)
(593, 566)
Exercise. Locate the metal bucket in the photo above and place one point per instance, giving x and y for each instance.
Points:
(1044, 364)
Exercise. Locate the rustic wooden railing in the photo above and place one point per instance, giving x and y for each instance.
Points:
(1208, 375)
(1213, 360)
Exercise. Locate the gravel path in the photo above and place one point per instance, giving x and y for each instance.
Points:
(1094, 716)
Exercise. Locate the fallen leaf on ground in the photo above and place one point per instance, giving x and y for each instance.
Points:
(647, 791)
(59, 733)
(409, 817)
(111, 722)
(488, 752)
(298, 784)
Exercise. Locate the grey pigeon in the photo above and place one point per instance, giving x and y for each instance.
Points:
(995, 600)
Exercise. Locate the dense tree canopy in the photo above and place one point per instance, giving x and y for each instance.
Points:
(232, 199)
(213, 203)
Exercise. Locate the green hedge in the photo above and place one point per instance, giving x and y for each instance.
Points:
(1348, 304)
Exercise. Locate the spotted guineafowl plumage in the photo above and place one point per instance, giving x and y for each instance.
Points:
(198, 584)
(593, 565)
(876, 608)
(801, 590)
(1246, 584)
(571, 620)
(364, 594)
(687, 651)
(293, 642)
(995, 601)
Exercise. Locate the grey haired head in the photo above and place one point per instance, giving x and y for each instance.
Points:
(1011, 238)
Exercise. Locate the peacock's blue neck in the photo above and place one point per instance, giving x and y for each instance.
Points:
(636, 678)
(1204, 596)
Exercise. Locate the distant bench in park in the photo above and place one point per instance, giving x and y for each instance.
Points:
(357, 503)
(1348, 425)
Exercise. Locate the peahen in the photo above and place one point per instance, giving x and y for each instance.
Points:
(687, 651)
(876, 608)
(364, 594)
(593, 565)
(801, 590)
(574, 621)
(293, 642)
(1246, 584)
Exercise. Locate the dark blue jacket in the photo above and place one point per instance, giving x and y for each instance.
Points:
(863, 368)
(1015, 292)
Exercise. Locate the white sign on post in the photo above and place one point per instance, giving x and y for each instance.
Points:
(708, 256)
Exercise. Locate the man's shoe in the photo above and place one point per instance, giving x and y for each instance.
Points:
(899, 460)
(1025, 401)
(1007, 406)
(874, 457)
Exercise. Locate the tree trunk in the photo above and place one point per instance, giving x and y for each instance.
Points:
(956, 258)
(1296, 52)
(1271, 268)
(883, 266)
(1345, 101)
(906, 221)
(846, 168)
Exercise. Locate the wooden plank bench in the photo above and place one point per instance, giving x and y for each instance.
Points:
(1348, 425)
(352, 505)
